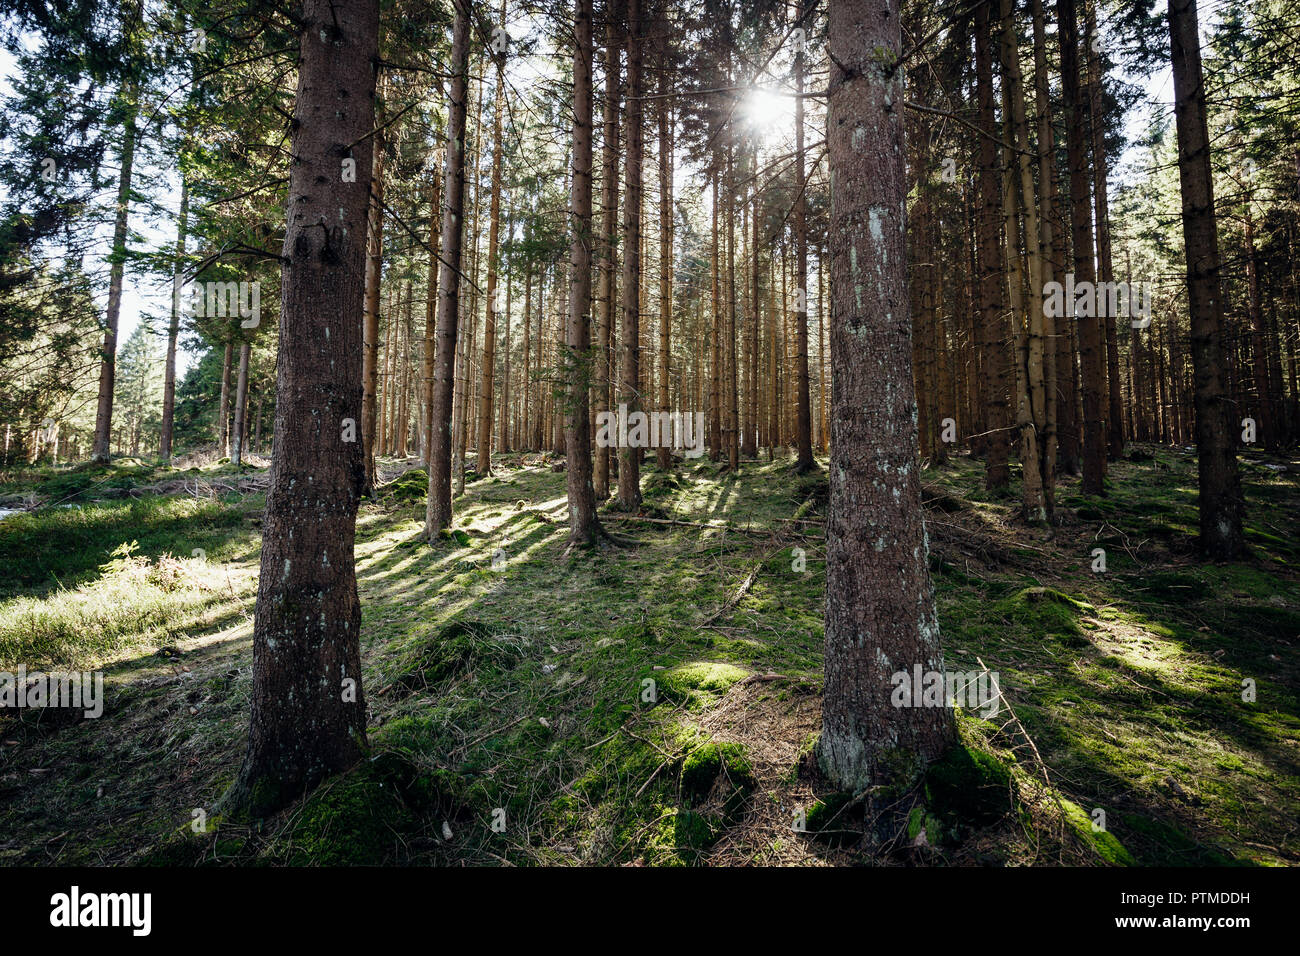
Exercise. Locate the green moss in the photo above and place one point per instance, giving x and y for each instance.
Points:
(706, 764)
(408, 487)
(970, 786)
(686, 682)
(1045, 611)
(457, 646)
(831, 820)
(353, 820)
(1170, 846)
(1101, 842)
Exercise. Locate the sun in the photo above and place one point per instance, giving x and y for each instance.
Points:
(768, 111)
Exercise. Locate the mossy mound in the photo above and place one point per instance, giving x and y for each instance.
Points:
(409, 487)
(969, 786)
(353, 820)
(456, 647)
(726, 762)
(1045, 611)
(688, 682)
(663, 483)
(683, 838)
(834, 820)
(816, 486)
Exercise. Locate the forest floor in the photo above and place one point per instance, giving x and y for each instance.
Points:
(656, 703)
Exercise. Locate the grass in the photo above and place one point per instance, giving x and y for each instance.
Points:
(532, 705)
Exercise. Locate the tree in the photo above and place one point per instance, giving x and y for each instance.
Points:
(606, 292)
(104, 414)
(493, 255)
(1221, 504)
(438, 510)
(803, 431)
(584, 528)
(880, 612)
(1092, 343)
(629, 459)
(308, 715)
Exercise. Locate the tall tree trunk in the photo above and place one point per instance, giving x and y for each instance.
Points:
(241, 406)
(664, 454)
(995, 366)
(880, 612)
(1101, 208)
(731, 380)
(1220, 499)
(1092, 358)
(583, 525)
(173, 331)
(370, 332)
(803, 427)
(715, 326)
(493, 306)
(629, 459)
(438, 509)
(1047, 445)
(108, 360)
(1264, 411)
(605, 288)
(223, 404)
(431, 320)
(1021, 205)
(308, 711)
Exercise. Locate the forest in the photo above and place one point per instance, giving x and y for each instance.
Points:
(655, 433)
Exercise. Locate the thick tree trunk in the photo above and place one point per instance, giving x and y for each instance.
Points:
(438, 509)
(1022, 206)
(308, 710)
(880, 612)
(1220, 500)
(1047, 444)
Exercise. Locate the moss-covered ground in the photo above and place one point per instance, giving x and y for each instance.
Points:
(657, 703)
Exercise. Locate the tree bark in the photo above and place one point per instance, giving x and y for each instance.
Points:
(370, 332)
(605, 288)
(1220, 500)
(173, 332)
(1092, 357)
(803, 427)
(308, 711)
(584, 529)
(880, 612)
(108, 359)
(629, 459)
(438, 509)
